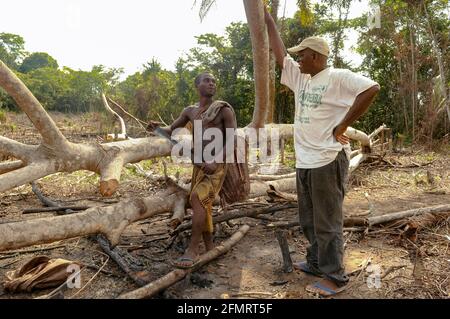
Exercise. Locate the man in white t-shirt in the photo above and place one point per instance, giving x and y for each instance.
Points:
(327, 102)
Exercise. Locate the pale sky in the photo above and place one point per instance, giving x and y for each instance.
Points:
(119, 33)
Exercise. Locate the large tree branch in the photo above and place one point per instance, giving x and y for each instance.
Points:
(25, 175)
(106, 159)
(109, 220)
(16, 149)
(357, 135)
(6, 167)
(50, 133)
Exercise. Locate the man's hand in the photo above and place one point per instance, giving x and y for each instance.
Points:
(210, 168)
(152, 125)
(339, 134)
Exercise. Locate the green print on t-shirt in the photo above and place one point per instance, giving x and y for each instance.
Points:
(309, 100)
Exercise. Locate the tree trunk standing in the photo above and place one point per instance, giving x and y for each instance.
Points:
(413, 77)
(402, 93)
(272, 90)
(272, 68)
(260, 47)
(438, 55)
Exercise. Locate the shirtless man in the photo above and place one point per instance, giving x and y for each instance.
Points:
(208, 173)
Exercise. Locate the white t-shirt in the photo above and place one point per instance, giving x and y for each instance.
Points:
(321, 103)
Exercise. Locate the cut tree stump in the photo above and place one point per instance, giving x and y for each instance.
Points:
(282, 240)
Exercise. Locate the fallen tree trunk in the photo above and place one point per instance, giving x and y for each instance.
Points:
(258, 188)
(275, 196)
(6, 167)
(178, 274)
(271, 177)
(109, 220)
(375, 220)
(407, 213)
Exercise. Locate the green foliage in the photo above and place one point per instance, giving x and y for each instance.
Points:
(394, 55)
(68, 90)
(37, 60)
(2, 116)
(12, 49)
(407, 31)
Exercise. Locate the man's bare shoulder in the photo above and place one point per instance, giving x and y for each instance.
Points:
(189, 110)
(227, 111)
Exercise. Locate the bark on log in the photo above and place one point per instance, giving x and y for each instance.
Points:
(355, 161)
(109, 220)
(51, 135)
(375, 220)
(258, 188)
(257, 177)
(6, 167)
(357, 135)
(112, 220)
(178, 274)
(408, 213)
(276, 196)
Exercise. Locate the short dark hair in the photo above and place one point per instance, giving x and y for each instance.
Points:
(198, 78)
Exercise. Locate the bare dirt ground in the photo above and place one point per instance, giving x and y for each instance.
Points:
(404, 268)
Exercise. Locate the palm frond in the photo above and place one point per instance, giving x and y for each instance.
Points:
(205, 5)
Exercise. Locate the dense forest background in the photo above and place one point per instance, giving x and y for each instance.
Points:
(408, 55)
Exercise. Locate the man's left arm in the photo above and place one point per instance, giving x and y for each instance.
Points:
(359, 107)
